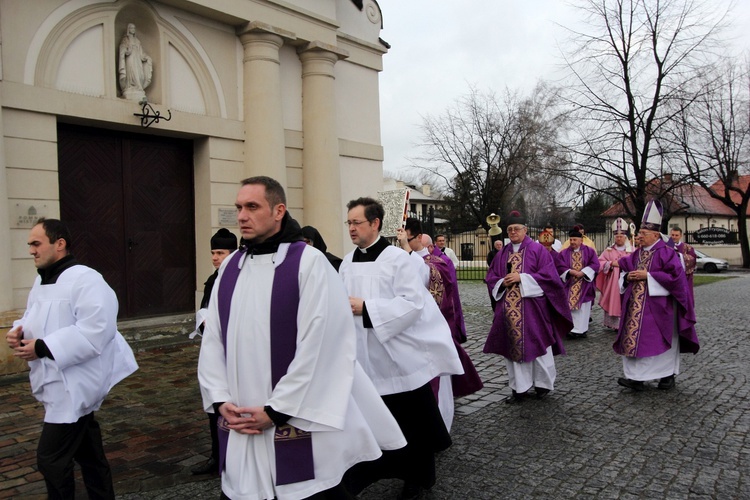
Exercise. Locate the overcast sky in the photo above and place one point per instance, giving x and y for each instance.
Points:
(441, 47)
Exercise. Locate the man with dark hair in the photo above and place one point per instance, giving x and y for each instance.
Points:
(275, 194)
(55, 230)
(278, 363)
(687, 252)
(449, 253)
(69, 337)
(532, 313)
(403, 343)
(373, 210)
(223, 243)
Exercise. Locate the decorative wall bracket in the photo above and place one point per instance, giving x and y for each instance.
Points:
(149, 115)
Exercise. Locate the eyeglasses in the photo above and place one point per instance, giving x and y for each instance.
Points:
(410, 239)
(515, 229)
(355, 222)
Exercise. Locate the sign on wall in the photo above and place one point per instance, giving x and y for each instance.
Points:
(711, 235)
(27, 215)
(227, 217)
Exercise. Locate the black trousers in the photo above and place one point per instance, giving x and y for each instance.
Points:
(60, 445)
(213, 424)
(418, 416)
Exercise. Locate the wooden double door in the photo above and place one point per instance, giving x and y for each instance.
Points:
(128, 200)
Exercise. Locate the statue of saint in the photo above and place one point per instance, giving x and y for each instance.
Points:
(135, 67)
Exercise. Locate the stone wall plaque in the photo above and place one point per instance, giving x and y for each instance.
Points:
(227, 217)
(26, 215)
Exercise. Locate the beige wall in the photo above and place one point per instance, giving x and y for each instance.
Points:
(730, 253)
(59, 63)
(693, 223)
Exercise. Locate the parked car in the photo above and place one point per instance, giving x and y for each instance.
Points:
(710, 264)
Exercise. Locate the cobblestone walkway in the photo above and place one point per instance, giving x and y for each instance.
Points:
(590, 438)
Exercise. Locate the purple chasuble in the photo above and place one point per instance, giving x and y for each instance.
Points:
(690, 259)
(647, 323)
(469, 382)
(293, 447)
(579, 288)
(523, 328)
(460, 326)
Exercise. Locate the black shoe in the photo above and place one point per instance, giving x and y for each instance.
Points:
(571, 335)
(666, 383)
(516, 398)
(210, 466)
(582, 335)
(541, 392)
(410, 491)
(636, 385)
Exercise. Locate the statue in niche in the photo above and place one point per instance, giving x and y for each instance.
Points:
(135, 67)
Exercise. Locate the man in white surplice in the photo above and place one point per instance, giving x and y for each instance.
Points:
(69, 337)
(403, 342)
(323, 390)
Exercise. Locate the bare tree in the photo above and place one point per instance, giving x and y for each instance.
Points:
(488, 150)
(418, 178)
(713, 134)
(630, 62)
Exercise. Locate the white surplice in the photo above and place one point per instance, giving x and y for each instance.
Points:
(324, 390)
(77, 319)
(410, 342)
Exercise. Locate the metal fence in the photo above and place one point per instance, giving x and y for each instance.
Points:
(472, 249)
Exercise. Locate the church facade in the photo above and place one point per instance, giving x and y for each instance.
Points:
(134, 121)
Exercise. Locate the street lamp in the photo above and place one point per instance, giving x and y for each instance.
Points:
(582, 193)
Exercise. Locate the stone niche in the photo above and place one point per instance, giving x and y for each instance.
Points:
(148, 43)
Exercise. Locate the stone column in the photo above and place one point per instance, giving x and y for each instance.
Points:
(321, 173)
(264, 128)
(6, 291)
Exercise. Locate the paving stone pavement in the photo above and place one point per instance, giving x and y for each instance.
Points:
(589, 438)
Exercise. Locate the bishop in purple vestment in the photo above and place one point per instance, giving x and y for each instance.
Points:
(658, 320)
(532, 312)
(580, 265)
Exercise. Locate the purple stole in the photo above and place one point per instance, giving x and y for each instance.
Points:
(634, 313)
(574, 292)
(293, 447)
(514, 308)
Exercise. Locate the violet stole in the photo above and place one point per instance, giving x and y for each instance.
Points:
(293, 447)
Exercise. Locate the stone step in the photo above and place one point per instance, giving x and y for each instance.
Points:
(161, 331)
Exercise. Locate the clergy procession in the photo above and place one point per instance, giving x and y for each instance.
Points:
(323, 375)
